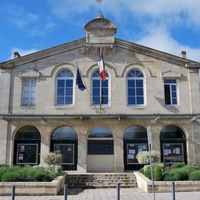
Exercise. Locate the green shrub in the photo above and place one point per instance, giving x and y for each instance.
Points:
(143, 157)
(146, 167)
(194, 175)
(177, 165)
(53, 159)
(158, 173)
(177, 174)
(10, 176)
(41, 176)
(141, 170)
(16, 173)
(147, 173)
(5, 169)
(55, 169)
(27, 173)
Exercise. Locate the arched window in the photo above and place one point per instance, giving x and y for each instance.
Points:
(64, 140)
(135, 133)
(173, 144)
(100, 141)
(27, 146)
(64, 88)
(100, 89)
(135, 87)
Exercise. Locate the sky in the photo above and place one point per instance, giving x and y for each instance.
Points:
(28, 26)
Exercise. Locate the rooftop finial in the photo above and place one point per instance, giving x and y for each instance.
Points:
(99, 1)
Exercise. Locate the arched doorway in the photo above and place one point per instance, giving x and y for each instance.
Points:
(135, 141)
(173, 145)
(100, 150)
(64, 140)
(27, 146)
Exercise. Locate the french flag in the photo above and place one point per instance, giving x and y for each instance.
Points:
(102, 67)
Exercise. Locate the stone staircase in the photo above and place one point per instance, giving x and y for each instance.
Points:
(100, 180)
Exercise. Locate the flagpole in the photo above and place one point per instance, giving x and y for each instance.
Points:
(100, 87)
(117, 82)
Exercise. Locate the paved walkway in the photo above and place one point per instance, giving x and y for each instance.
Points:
(111, 194)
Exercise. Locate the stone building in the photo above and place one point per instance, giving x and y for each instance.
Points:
(102, 127)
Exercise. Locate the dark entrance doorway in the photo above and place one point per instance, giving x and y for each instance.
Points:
(135, 141)
(173, 145)
(27, 146)
(64, 140)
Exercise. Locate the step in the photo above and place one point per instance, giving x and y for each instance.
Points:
(101, 180)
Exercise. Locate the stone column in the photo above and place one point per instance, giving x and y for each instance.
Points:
(45, 144)
(118, 150)
(82, 151)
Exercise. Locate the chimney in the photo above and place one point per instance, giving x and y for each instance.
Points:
(183, 54)
(16, 54)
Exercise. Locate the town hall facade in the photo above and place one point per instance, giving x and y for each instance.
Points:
(102, 126)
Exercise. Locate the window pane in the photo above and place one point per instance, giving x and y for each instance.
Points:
(33, 101)
(96, 100)
(104, 91)
(96, 92)
(61, 83)
(68, 100)
(69, 91)
(174, 101)
(169, 81)
(61, 92)
(105, 83)
(140, 100)
(96, 83)
(139, 83)
(131, 101)
(69, 83)
(139, 91)
(167, 95)
(60, 100)
(131, 92)
(173, 87)
(100, 147)
(131, 83)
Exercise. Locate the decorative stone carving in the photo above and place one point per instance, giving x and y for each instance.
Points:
(100, 31)
(170, 74)
(29, 73)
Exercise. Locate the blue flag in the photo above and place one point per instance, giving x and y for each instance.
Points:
(79, 81)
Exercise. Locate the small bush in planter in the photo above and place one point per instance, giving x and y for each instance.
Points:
(53, 159)
(147, 173)
(158, 173)
(143, 157)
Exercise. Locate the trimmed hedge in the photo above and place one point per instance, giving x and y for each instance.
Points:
(175, 172)
(194, 175)
(28, 174)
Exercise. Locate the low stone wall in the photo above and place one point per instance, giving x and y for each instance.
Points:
(166, 186)
(33, 188)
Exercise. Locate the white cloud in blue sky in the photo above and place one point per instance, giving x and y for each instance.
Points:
(170, 26)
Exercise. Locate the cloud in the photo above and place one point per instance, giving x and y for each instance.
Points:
(35, 24)
(22, 52)
(159, 38)
(67, 9)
